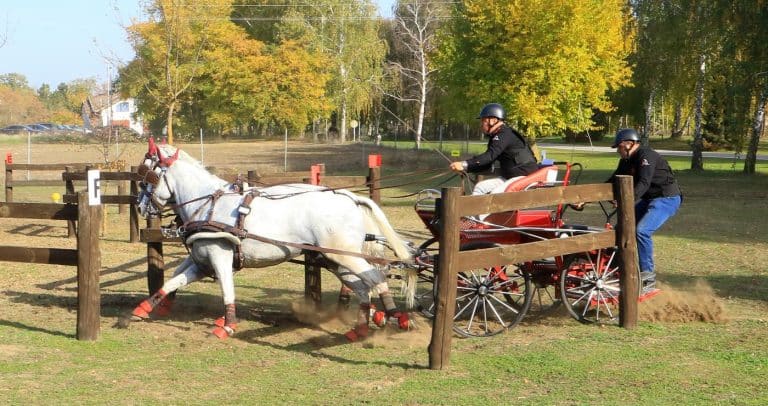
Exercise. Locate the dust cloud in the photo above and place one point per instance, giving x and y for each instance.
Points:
(697, 303)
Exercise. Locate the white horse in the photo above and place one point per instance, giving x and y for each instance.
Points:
(260, 227)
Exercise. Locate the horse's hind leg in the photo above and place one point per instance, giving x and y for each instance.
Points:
(186, 273)
(361, 277)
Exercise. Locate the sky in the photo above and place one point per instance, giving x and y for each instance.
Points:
(57, 41)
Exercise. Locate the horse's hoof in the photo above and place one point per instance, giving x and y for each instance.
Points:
(142, 310)
(224, 331)
(139, 314)
(220, 333)
(403, 321)
(358, 333)
(379, 318)
(164, 307)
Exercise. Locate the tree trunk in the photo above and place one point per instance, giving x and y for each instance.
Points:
(648, 128)
(169, 118)
(697, 160)
(343, 124)
(677, 125)
(757, 130)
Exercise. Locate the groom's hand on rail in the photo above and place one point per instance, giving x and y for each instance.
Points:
(578, 206)
(458, 166)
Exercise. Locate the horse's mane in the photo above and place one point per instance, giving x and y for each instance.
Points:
(169, 150)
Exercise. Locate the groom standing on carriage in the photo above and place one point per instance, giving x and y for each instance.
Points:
(505, 145)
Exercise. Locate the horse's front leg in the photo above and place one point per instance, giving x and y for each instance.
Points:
(219, 254)
(186, 273)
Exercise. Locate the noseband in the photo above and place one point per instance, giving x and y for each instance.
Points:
(151, 177)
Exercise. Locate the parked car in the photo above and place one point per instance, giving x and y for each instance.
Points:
(53, 126)
(18, 129)
(38, 127)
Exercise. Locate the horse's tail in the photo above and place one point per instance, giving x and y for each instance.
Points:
(402, 250)
(399, 246)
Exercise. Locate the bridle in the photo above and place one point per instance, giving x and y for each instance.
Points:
(152, 172)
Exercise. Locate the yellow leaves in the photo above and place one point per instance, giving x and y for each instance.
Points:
(549, 62)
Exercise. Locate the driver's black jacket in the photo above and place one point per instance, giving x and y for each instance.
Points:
(510, 149)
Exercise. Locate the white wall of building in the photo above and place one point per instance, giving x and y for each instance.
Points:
(123, 111)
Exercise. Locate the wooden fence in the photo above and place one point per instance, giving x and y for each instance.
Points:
(87, 256)
(452, 206)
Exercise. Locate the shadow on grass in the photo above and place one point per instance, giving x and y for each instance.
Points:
(122, 268)
(27, 327)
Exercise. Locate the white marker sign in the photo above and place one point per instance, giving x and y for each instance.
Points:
(94, 187)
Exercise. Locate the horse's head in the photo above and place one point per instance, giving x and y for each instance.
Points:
(155, 188)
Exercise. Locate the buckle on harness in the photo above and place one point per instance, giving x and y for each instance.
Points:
(244, 210)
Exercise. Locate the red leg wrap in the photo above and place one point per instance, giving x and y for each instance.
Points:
(403, 321)
(222, 332)
(379, 318)
(358, 333)
(146, 306)
(164, 307)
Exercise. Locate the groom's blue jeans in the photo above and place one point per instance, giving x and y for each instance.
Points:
(652, 214)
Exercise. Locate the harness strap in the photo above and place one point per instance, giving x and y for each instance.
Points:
(308, 247)
(198, 226)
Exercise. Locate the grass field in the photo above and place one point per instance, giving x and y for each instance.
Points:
(702, 341)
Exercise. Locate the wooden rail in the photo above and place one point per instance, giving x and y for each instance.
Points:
(453, 206)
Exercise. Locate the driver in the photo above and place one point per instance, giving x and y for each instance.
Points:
(505, 145)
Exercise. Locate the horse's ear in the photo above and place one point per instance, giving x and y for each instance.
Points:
(170, 160)
(152, 150)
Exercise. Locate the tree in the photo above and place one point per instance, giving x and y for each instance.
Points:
(346, 35)
(194, 63)
(549, 63)
(169, 50)
(19, 105)
(416, 23)
(15, 81)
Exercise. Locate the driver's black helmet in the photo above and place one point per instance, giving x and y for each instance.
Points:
(625, 134)
(493, 110)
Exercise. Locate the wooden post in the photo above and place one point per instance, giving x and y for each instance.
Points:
(626, 241)
(253, 177)
(312, 280)
(88, 267)
(155, 262)
(8, 183)
(69, 189)
(442, 328)
(133, 214)
(374, 184)
(121, 188)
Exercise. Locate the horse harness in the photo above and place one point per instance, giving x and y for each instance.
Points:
(190, 228)
(186, 230)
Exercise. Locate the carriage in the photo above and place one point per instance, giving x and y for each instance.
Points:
(492, 300)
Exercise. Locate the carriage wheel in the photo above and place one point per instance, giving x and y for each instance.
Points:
(545, 295)
(589, 286)
(490, 300)
(426, 288)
